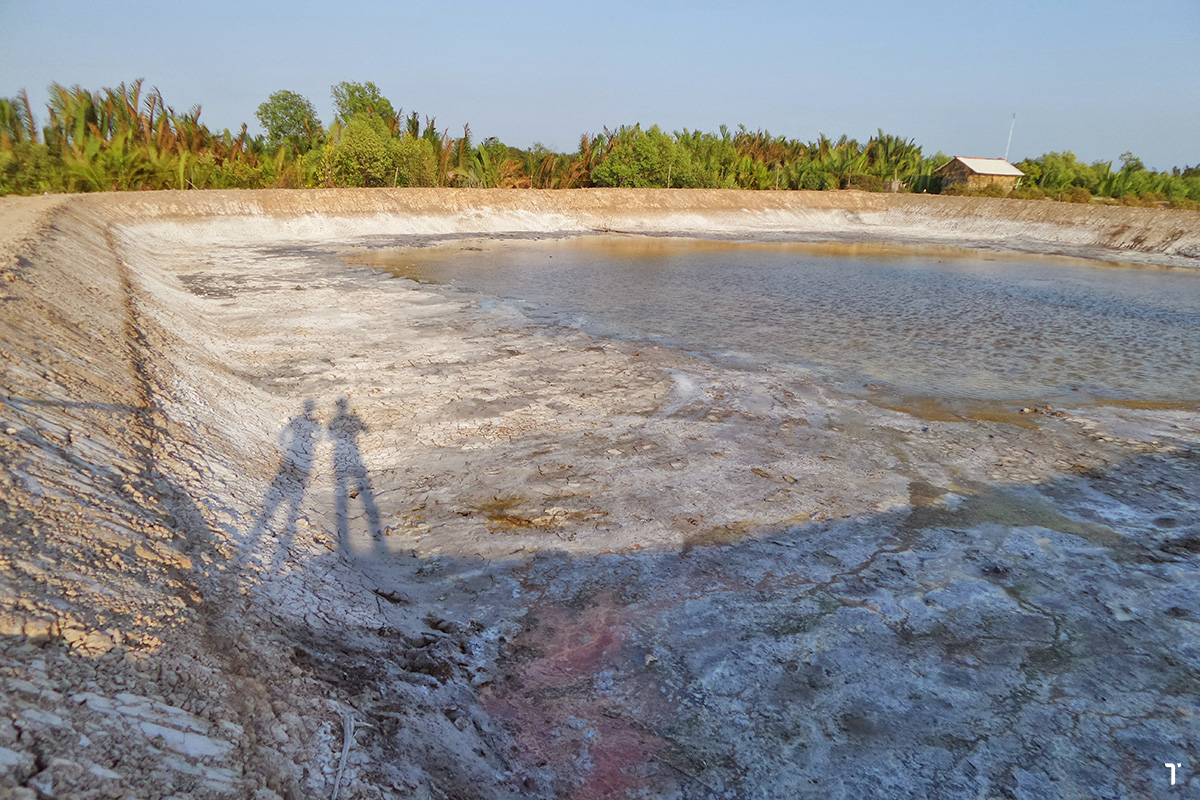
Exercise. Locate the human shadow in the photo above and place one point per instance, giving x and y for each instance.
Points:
(351, 481)
(291, 481)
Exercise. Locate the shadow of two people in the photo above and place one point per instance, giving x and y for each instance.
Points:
(298, 440)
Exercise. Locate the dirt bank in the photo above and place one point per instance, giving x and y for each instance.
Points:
(278, 527)
(1151, 236)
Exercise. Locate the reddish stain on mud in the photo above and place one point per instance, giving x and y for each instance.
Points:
(582, 699)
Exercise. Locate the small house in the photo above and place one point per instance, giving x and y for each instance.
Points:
(976, 173)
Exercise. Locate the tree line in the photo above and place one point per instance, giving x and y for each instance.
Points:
(129, 138)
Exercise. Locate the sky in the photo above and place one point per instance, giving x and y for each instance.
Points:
(1095, 77)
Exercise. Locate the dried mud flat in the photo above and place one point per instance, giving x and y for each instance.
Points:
(275, 526)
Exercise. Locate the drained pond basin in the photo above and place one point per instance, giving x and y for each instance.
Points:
(439, 494)
(956, 326)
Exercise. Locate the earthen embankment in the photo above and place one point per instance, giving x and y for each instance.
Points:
(1149, 236)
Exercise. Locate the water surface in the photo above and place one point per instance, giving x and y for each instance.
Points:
(953, 325)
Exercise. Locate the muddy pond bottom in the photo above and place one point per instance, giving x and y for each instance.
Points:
(887, 323)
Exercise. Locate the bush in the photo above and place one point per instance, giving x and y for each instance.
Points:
(1027, 193)
(1143, 200)
(26, 169)
(928, 183)
(815, 180)
(1185, 203)
(363, 155)
(416, 161)
(867, 183)
(1078, 195)
(207, 172)
(649, 159)
(962, 190)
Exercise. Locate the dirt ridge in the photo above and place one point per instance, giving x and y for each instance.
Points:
(1151, 236)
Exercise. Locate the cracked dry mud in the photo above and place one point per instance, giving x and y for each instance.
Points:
(251, 494)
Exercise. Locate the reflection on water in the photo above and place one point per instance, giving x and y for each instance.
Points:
(942, 324)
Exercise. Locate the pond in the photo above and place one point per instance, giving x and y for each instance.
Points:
(875, 321)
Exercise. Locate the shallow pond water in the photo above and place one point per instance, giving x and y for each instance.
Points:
(952, 325)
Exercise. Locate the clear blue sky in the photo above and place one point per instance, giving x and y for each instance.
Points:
(1096, 77)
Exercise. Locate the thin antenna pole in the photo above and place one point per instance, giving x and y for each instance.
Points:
(1010, 133)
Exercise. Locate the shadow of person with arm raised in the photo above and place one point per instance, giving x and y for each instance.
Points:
(298, 439)
(351, 480)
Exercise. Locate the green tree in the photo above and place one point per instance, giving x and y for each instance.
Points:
(290, 118)
(16, 119)
(491, 166)
(892, 157)
(1131, 163)
(361, 153)
(416, 162)
(714, 157)
(363, 98)
(26, 168)
(644, 158)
